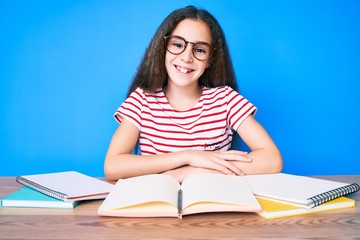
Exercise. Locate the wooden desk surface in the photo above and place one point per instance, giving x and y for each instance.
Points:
(83, 223)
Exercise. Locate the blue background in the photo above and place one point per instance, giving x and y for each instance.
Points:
(66, 65)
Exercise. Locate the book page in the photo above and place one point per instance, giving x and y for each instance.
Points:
(141, 193)
(216, 192)
(290, 188)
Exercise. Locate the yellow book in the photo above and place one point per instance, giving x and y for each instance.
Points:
(274, 209)
(160, 195)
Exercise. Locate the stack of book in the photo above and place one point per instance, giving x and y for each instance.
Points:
(269, 195)
(283, 195)
(56, 190)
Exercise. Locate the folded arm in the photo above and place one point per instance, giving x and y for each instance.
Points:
(263, 158)
(120, 163)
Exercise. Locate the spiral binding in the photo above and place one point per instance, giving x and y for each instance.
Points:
(42, 189)
(330, 195)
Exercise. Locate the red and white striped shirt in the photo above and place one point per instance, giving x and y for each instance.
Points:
(208, 125)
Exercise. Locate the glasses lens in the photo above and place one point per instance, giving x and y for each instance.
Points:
(175, 45)
(202, 51)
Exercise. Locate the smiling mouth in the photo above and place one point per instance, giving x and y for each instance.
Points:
(184, 70)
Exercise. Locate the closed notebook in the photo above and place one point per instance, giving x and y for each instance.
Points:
(300, 191)
(30, 198)
(159, 195)
(67, 186)
(275, 209)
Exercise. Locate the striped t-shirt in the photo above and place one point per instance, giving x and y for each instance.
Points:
(208, 125)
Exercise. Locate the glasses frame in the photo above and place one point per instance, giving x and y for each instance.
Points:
(212, 48)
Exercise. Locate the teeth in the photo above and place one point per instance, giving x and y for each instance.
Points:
(183, 70)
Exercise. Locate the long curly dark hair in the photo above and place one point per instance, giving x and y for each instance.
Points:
(151, 73)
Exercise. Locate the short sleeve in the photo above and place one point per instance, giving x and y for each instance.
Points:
(131, 109)
(238, 108)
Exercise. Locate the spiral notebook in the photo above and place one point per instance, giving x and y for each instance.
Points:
(302, 191)
(67, 186)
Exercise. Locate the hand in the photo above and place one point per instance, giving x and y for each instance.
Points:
(183, 172)
(218, 161)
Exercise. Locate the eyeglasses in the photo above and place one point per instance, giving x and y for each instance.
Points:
(201, 50)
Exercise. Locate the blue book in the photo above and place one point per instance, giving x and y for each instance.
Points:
(30, 198)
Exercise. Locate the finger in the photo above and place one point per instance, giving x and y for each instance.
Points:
(227, 166)
(236, 152)
(243, 159)
(222, 168)
(234, 156)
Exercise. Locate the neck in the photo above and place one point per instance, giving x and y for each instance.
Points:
(183, 98)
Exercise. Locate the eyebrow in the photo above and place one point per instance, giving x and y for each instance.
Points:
(190, 41)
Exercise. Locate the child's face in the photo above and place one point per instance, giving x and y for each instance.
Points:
(184, 69)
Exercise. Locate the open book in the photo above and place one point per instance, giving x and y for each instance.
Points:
(159, 195)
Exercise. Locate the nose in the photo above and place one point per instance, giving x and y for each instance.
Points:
(187, 55)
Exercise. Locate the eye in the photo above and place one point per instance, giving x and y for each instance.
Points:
(177, 44)
(200, 50)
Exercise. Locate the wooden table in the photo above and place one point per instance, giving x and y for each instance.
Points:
(83, 223)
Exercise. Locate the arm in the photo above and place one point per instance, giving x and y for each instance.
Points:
(182, 172)
(120, 163)
(264, 153)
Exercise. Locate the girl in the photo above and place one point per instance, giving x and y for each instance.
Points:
(183, 108)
